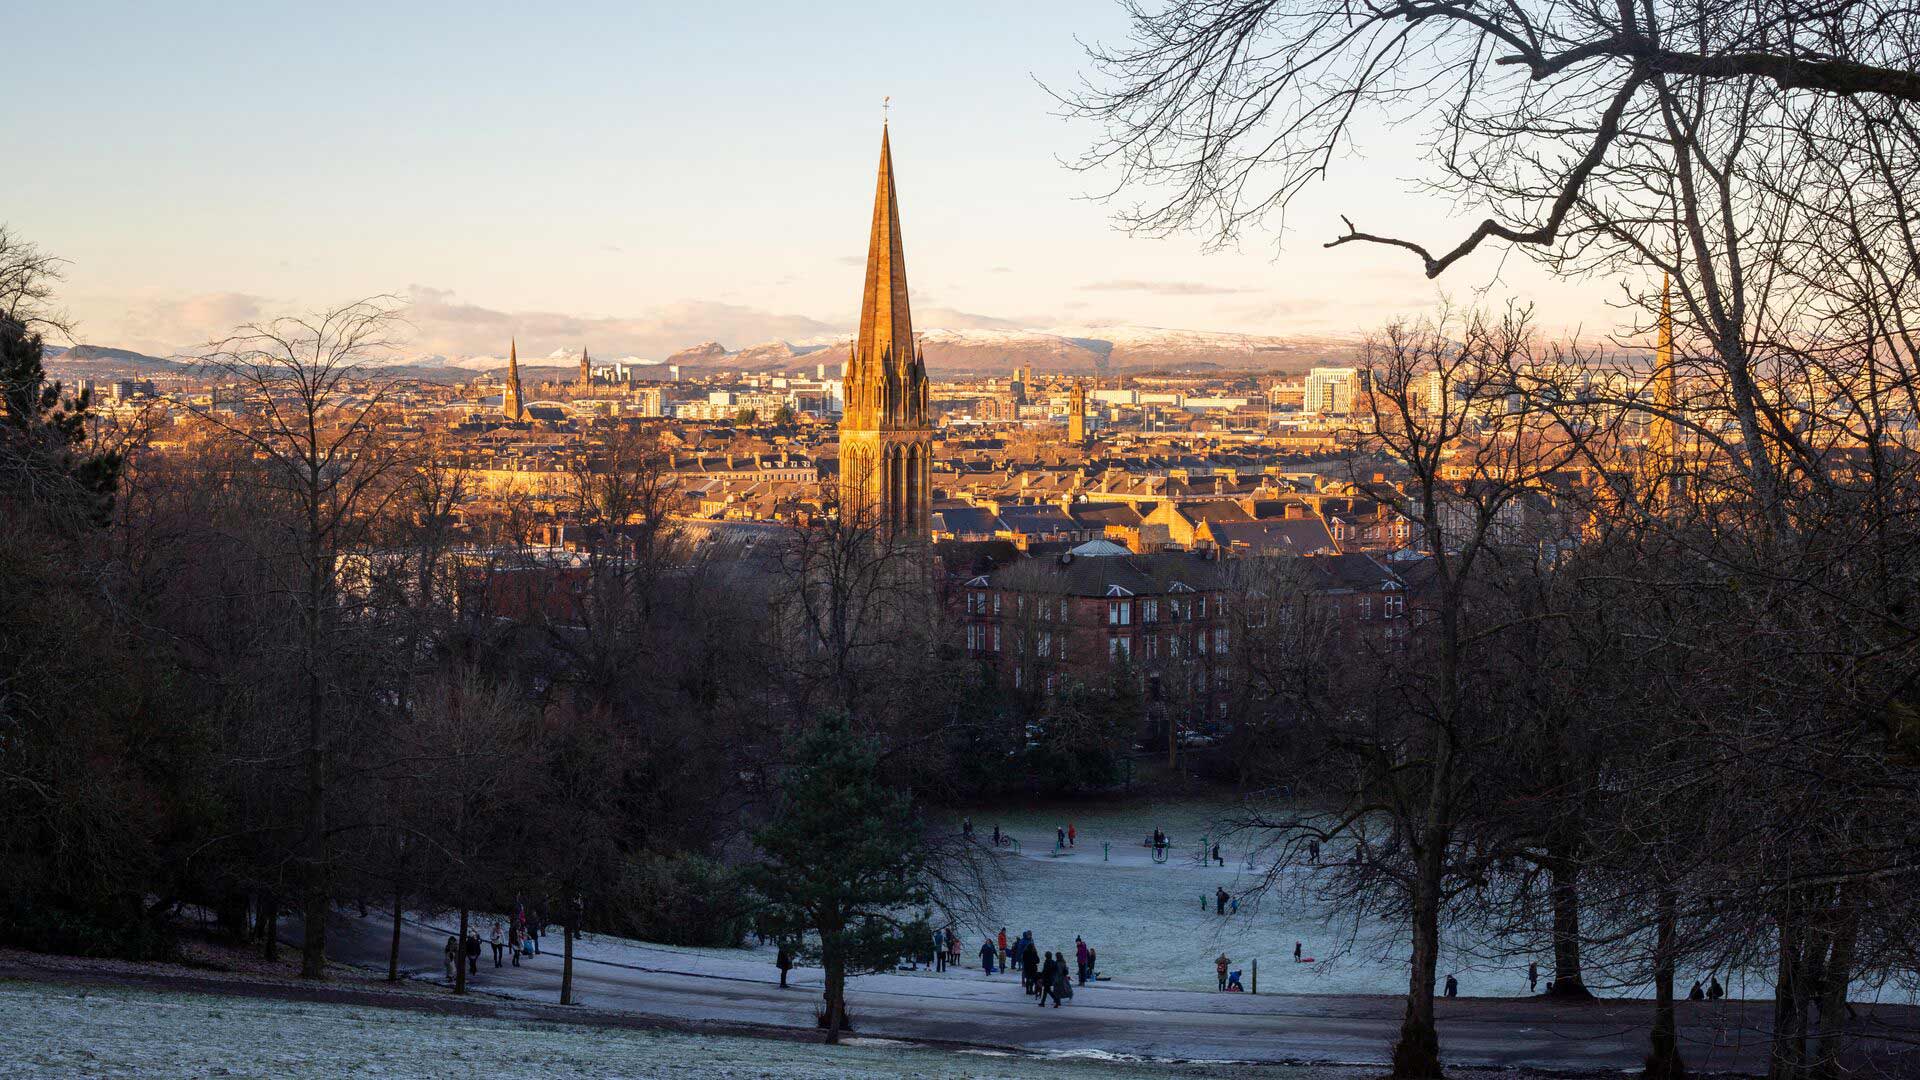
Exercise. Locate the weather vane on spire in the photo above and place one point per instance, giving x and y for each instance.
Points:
(886, 106)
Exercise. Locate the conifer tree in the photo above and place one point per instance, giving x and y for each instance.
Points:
(845, 863)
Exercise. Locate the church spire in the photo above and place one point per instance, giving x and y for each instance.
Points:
(586, 368)
(886, 322)
(1662, 431)
(886, 439)
(510, 402)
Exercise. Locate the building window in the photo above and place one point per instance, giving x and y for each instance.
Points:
(1173, 609)
(1063, 609)
(1119, 648)
(1201, 640)
(1393, 605)
(1152, 646)
(1119, 613)
(1016, 678)
(1046, 644)
(1202, 604)
(1366, 607)
(1220, 606)
(1149, 611)
(1019, 605)
(996, 603)
(1220, 642)
(973, 637)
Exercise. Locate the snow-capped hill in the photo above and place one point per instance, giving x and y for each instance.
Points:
(705, 354)
(101, 362)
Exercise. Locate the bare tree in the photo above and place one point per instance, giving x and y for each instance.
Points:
(305, 401)
(28, 277)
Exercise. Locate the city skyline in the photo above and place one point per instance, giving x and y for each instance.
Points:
(548, 201)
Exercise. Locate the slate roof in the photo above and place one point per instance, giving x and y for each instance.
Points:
(1036, 519)
(1272, 536)
(1096, 576)
(964, 521)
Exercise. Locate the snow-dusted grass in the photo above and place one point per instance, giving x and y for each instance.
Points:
(61, 1031)
(1147, 922)
(1151, 932)
(1144, 919)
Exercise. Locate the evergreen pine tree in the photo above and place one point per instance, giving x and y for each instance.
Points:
(40, 434)
(845, 863)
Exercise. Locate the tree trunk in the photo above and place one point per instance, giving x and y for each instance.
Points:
(313, 951)
(1663, 1061)
(270, 924)
(393, 948)
(1789, 1003)
(1416, 1056)
(1564, 889)
(231, 915)
(1832, 1000)
(566, 965)
(836, 995)
(460, 955)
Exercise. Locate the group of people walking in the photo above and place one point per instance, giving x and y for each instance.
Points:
(520, 937)
(1042, 975)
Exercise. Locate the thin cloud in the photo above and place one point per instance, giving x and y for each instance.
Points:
(1164, 288)
(444, 325)
(169, 325)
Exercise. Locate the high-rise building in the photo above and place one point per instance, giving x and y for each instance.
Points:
(1077, 415)
(886, 439)
(1331, 391)
(512, 405)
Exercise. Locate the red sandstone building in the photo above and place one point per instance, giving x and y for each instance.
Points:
(1169, 617)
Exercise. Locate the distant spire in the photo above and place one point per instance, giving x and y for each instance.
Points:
(1663, 431)
(586, 368)
(510, 402)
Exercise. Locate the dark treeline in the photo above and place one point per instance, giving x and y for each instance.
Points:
(1683, 738)
(282, 669)
(1626, 728)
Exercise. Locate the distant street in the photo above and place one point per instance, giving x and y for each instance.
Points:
(1161, 1024)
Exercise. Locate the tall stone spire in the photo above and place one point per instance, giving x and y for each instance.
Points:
(886, 317)
(511, 402)
(886, 440)
(1662, 431)
(586, 368)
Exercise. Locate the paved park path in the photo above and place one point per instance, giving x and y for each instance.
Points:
(1172, 1025)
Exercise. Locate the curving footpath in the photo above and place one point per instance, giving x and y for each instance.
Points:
(967, 1007)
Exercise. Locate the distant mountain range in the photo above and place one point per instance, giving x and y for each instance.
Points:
(1068, 351)
(98, 362)
(1078, 351)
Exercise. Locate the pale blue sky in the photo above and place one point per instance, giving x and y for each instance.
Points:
(630, 176)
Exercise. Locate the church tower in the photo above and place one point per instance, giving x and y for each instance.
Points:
(886, 439)
(1077, 415)
(586, 369)
(1662, 432)
(511, 403)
